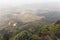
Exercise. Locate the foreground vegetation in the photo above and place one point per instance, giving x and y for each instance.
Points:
(39, 32)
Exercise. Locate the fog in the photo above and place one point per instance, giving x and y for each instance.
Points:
(6, 4)
(26, 10)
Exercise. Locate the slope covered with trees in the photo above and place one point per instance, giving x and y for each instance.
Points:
(34, 32)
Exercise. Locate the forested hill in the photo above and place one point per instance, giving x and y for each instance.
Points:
(34, 32)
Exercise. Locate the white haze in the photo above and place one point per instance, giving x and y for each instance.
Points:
(18, 3)
(10, 8)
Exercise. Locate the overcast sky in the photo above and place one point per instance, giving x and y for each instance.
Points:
(16, 3)
(21, 2)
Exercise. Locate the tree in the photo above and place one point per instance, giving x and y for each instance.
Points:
(6, 36)
(23, 36)
(1, 37)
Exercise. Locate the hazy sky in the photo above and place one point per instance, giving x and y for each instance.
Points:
(16, 3)
(25, 1)
(21, 2)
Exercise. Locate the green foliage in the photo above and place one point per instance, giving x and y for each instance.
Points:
(58, 22)
(6, 36)
(38, 32)
(24, 36)
(1, 37)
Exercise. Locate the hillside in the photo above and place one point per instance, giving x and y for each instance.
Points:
(34, 24)
(32, 31)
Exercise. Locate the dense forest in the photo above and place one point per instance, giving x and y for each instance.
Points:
(33, 32)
